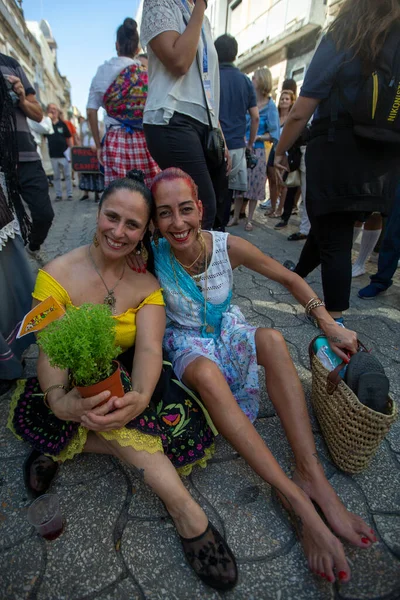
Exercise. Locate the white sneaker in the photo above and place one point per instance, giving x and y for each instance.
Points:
(37, 256)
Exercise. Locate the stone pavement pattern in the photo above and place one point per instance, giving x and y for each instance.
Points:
(119, 543)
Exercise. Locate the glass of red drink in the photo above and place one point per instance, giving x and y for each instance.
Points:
(45, 515)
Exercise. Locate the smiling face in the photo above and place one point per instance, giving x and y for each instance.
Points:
(178, 214)
(122, 222)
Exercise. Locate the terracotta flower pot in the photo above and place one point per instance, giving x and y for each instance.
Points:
(113, 384)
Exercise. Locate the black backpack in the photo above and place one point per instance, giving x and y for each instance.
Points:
(376, 109)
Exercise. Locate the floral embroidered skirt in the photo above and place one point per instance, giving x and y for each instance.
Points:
(234, 351)
(175, 423)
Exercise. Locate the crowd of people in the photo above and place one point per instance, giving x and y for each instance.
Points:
(189, 145)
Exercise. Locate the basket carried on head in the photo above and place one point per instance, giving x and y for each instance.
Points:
(352, 431)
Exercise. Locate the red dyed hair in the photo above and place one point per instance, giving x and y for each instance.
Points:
(171, 174)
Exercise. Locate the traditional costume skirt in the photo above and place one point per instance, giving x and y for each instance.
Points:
(123, 151)
(233, 351)
(175, 423)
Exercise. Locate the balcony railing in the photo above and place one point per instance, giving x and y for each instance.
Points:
(281, 16)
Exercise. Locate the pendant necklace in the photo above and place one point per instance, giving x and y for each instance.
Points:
(110, 299)
(208, 328)
(195, 260)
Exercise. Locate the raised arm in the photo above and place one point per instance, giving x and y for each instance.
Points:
(243, 253)
(27, 102)
(178, 51)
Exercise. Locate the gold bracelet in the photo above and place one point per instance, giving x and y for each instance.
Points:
(53, 387)
(306, 308)
(315, 304)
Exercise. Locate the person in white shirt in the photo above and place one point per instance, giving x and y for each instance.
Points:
(183, 69)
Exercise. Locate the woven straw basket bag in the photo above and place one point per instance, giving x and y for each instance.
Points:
(351, 430)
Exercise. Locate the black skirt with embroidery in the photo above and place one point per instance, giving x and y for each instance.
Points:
(175, 415)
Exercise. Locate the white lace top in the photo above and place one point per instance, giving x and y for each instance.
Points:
(219, 283)
(168, 93)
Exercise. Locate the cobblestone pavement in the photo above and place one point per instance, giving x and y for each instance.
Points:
(119, 542)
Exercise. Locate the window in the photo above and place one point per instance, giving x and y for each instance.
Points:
(236, 23)
(298, 74)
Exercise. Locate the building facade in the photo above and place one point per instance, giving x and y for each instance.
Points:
(279, 34)
(33, 46)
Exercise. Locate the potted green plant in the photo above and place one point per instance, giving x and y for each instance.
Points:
(83, 341)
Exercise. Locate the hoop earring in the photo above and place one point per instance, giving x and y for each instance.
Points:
(143, 252)
(95, 241)
(156, 237)
(200, 236)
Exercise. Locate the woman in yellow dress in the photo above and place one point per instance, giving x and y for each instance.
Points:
(134, 428)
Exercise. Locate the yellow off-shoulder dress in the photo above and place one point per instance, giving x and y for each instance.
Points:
(180, 425)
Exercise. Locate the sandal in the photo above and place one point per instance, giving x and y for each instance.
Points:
(39, 472)
(248, 226)
(211, 559)
(232, 223)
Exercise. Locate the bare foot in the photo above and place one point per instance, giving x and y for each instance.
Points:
(344, 523)
(232, 222)
(323, 550)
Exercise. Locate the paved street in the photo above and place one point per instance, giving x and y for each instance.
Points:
(119, 543)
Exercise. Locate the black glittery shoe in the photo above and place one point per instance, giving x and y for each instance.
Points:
(211, 559)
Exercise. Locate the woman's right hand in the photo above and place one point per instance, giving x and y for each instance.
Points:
(72, 407)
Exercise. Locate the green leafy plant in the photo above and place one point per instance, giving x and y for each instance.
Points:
(82, 341)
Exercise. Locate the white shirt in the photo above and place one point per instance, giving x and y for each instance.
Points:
(106, 74)
(168, 93)
(45, 127)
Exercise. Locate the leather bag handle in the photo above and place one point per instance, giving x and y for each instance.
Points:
(333, 379)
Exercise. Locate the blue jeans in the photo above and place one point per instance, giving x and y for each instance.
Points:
(389, 254)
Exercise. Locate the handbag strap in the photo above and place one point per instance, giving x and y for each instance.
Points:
(201, 80)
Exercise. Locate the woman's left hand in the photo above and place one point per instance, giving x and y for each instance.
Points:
(281, 165)
(124, 410)
(340, 340)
